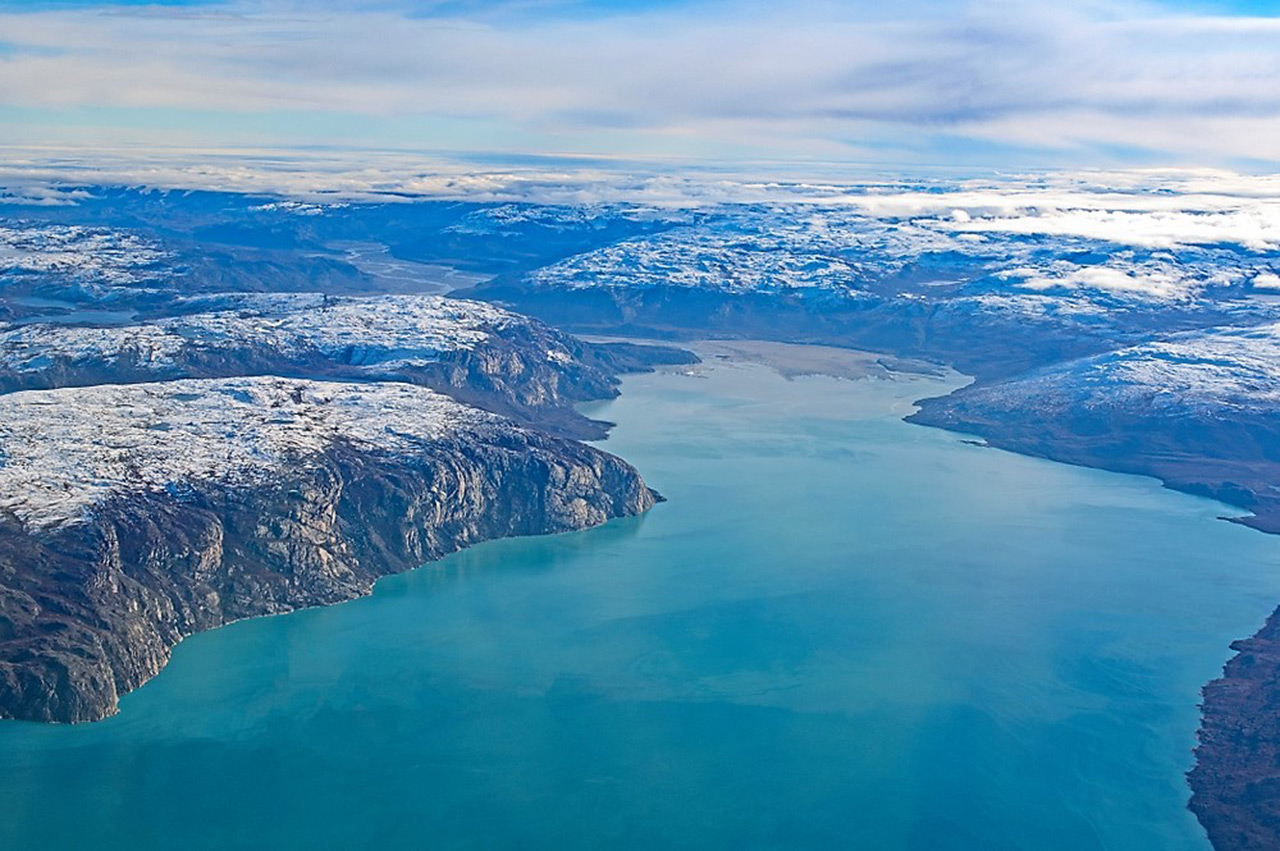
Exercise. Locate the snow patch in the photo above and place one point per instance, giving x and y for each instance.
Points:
(64, 451)
(369, 332)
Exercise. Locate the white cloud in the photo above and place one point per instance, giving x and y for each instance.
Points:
(1152, 210)
(1267, 281)
(1158, 284)
(1255, 227)
(809, 78)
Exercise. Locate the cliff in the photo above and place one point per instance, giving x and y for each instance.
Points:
(1236, 780)
(134, 516)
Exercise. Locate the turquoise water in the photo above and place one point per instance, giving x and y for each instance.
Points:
(841, 632)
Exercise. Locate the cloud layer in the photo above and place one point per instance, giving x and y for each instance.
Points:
(923, 80)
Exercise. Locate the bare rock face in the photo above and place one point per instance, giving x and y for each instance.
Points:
(1236, 780)
(133, 545)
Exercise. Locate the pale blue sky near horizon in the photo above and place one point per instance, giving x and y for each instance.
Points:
(985, 83)
(1241, 7)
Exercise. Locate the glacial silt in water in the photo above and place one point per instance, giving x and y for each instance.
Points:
(842, 631)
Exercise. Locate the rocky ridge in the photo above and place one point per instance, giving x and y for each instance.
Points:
(472, 351)
(1199, 410)
(136, 515)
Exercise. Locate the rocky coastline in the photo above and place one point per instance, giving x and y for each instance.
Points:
(1222, 468)
(1236, 780)
(93, 602)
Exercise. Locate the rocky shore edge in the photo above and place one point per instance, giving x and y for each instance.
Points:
(99, 604)
(1235, 783)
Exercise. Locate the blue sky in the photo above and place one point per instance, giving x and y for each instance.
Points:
(991, 83)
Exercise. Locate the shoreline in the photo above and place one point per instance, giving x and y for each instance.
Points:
(796, 360)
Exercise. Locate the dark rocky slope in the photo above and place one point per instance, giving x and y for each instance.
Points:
(1236, 780)
(1233, 458)
(475, 353)
(1196, 410)
(91, 602)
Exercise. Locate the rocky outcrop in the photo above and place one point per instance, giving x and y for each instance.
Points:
(1236, 780)
(1196, 410)
(93, 597)
(1230, 458)
(473, 352)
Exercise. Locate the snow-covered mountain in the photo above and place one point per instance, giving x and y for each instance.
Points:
(1200, 410)
(470, 350)
(382, 332)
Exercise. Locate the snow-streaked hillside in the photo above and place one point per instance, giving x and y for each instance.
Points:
(1218, 373)
(64, 451)
(93, 258)
(382, 332)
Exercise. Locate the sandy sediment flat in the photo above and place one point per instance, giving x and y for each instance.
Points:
(796, 359)
(793, 360)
